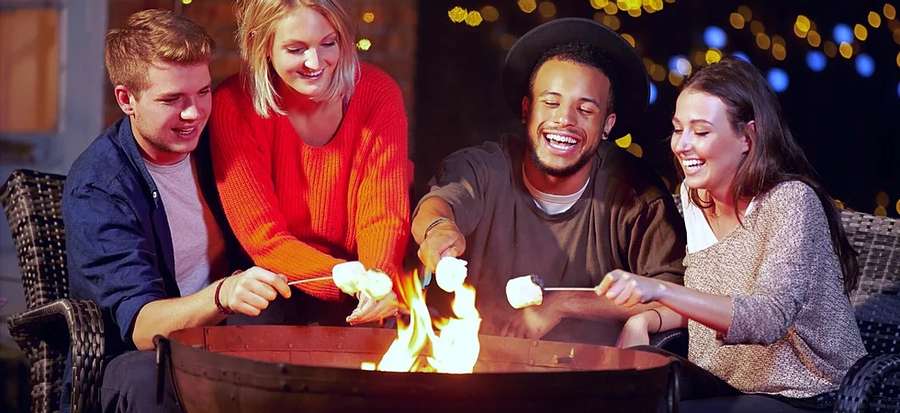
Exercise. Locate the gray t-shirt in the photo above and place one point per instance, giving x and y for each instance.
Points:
(196, 237)
(625, 219)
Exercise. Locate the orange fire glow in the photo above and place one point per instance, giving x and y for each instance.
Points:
(454, 350)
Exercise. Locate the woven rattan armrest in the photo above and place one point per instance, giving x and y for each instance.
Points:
(872, 384)
(46, 333)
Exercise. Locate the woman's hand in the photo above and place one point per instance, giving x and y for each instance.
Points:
(627, 289)
(370, 309)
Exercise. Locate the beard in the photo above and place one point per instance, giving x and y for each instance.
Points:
(563, 172)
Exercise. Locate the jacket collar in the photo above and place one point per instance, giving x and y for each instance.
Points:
(128, 143)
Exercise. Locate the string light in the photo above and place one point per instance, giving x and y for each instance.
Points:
(846, 50)
(457, 14)
(874, 19)
(813, 38)
(547, 9)
(865, 66)
(860, 32)
(889, 11)
(599, 4)
(816, 60)
(368, 17)
(736, 20)
(490, 13)
(527, 6)
(364, 44)
(713, 56)
(473, 19)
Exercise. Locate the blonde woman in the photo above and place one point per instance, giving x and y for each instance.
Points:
(309, 148)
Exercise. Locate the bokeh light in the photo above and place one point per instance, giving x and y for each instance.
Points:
(778, 79)
(490, 13)
(757, 27)
(630, 39)
(715, 37)
(712, 56)
(599, 4)
(680, 65)
(889, 11)
(368, 17)
(842, 33)
(457, 14)
(816, 60)
(874, 19)
(830, 49)
(745, 12)
(527, 6)
(653, 93)
(547, 9)
(364, 44)
(813, 38)
(802, 26)
(474, 18)
(846, 50)
(865, 66)
(741, 55)
(624, 141)
(737, 21)
(763, 41)
(860, 32)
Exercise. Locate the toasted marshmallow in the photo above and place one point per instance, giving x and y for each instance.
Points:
(450, 273)
(523, 292)
(376, 284)
(347, 275)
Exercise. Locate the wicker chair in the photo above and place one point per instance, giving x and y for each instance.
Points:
(873, 383)
(52, 325)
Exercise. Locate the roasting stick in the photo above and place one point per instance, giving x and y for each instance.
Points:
(569, 289)
(309, 280)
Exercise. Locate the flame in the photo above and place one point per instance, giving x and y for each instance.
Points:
(454, 350)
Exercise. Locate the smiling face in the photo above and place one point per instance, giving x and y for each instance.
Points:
(705, 142)
(305, 51)
(566, 117)
(168, 116)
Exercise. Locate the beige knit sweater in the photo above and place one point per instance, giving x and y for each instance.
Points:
(793, 331)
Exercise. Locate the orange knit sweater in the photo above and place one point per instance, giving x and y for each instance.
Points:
(297, 209)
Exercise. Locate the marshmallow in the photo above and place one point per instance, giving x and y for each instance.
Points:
(346, 276)
(376, 284)
(450, 273)
(524, 291)
(352, 277)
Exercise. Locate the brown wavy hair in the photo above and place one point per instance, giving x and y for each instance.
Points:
(774, 155)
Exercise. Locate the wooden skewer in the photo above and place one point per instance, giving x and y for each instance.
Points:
(569, 289)
(309, 280)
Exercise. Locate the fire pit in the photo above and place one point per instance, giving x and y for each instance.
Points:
(274, 369)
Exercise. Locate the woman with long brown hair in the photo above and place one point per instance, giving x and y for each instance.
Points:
(768, 266)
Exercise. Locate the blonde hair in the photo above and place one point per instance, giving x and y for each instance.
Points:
(149, 36)
(257, 20)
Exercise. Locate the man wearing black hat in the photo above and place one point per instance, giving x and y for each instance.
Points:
(563, 203)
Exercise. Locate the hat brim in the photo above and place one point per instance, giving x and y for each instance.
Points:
(630, 77)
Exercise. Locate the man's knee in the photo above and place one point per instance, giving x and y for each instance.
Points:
(130, 385)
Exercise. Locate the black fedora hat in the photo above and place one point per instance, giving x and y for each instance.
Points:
(629, 80)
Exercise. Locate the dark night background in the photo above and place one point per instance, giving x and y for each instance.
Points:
(845, 122)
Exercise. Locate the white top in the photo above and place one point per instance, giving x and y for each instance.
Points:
(550, 203)
(197, 241)
(699, 234)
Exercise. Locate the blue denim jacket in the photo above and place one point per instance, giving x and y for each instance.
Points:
(117, 236)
